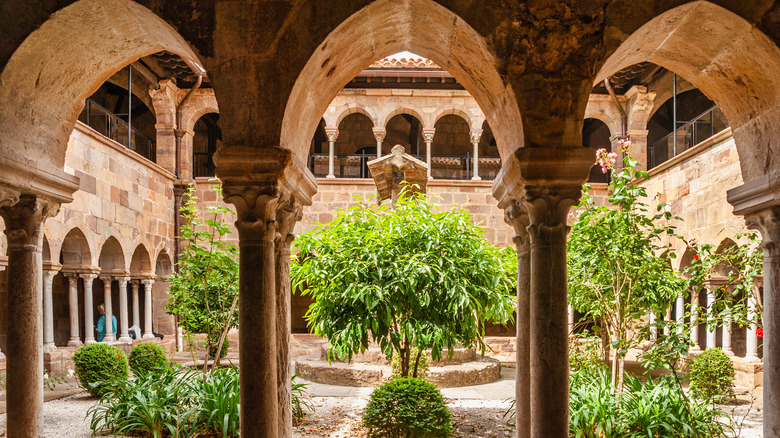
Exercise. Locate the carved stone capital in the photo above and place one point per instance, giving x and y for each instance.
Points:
(379, 134)
(332, 133)
(475, 135)
(8, 196)
(24, 218)
(288, 213)
(428, 135)
(256, 211)
(516, 215)
(548, 209)
(767, 222)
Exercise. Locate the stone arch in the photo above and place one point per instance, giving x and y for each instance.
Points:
(686, 260)
(386, 27)
(163, 265)
(333, 121)
(604, 110)
(734, 63)
(410, 110)
(76, 252)
(141, 263)
(201, 105)
(475, 122)
(45, 82)
(112, 257)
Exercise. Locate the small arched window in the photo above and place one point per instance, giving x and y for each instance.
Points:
(204, 145)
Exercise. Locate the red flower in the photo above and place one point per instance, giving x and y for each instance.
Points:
(119, 356)
(760, 333)
(696, 257)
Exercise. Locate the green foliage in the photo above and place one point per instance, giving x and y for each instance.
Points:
(657, 408)
(712, 375)
(213, 347)
(99, 367)
(419, 364)
(177, 402)
(300, 403)
(147, 357)
(584, 353)
(618, 267)
(408, 276)
(407, 408)
(202, 292)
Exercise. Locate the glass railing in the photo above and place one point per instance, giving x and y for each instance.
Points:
(458, 167)
(112, 126)
(689, 134)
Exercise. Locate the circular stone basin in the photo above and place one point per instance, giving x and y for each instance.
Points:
(371, 368)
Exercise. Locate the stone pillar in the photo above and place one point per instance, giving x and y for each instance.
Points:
(428, 137)
(48, 311)
(751, 340)
(109, 336)
(333, 134)
(136, 305)
(711, 327)
(24, 216)
(475, 136)
(653, 327)
(694, 321)
(379, 135)
(680, 311)
(638, 148)
(148, 284)
(89, 318)
(288, 213)
(124, 333)
(726, 336)
(571, 320)
(517, 216)
(73, 307)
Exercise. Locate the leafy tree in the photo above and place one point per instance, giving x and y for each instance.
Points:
(405, 277)
(204, 292)
(618, 261)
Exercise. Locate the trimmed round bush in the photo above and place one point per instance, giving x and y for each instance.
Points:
(407, 408)
(147, 357)
(712, 375)
(99, 367)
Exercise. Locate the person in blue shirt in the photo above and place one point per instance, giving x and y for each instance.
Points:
(101, 323)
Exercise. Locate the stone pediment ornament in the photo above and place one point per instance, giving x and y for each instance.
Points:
(397, 170)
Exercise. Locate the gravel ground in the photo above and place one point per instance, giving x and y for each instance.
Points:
(339, 417)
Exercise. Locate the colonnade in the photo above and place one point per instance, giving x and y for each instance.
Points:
(379, 135)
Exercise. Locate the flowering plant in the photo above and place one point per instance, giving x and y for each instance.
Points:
(760, 333)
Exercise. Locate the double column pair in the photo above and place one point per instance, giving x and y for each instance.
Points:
(536, 189)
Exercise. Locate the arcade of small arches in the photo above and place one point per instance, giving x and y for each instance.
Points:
(533, 87)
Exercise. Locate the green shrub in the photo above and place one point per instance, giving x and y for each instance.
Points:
(712, 375)
(584, 352)
(299, 402)
(407, 408)
(213, 348)
(422, 367)
(100, 367)
(147, 357)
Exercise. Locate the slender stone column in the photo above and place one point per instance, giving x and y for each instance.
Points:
(668, 319)
(379, 135)
(257, 314)
(288, 213)
(2, 355)
(653, 327)
(148, 284)
(136, 306)
(48, 311)
(751, 337)
(711, 328)
(73, 307)
(694, 321)
(89, 318)
(428, 137)
(475, 136)
(571, 320)
(333, 134)
(24, 216)
(109, 336)
(517, 216)
(680, 311)
(124, 333)
(726, 336)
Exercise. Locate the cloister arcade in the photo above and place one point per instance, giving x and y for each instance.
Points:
(275, 74)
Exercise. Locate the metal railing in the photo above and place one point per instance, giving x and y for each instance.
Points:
(112, 126)
(689, 134)
(456, 167)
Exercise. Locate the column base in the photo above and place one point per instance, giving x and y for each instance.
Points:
(695, 348)
(728, 351)
(49, 348)
(430, 177)
(476, 178)
(751, 359)
(331, 176)
(90, 341)
(126, 339)
(75, 343)
(108, 339)
(147, 336)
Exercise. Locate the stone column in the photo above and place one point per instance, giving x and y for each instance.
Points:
(680, 311)
(711, 327)
(379, 135)
(653, 327)
(517, 216)
(109, 336)
(136, 305)
(638, 149)
(333, 134)
(148, 284)
(571, 320)
(726, 336)
(73, 307)
(751, 340)
(257, 314)
(48, 311)
(694, 321)
(428, 137)
(24, 216)
(475, 136)
(2, 355)
(288, 213)
(89, 318)
(124, 333)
